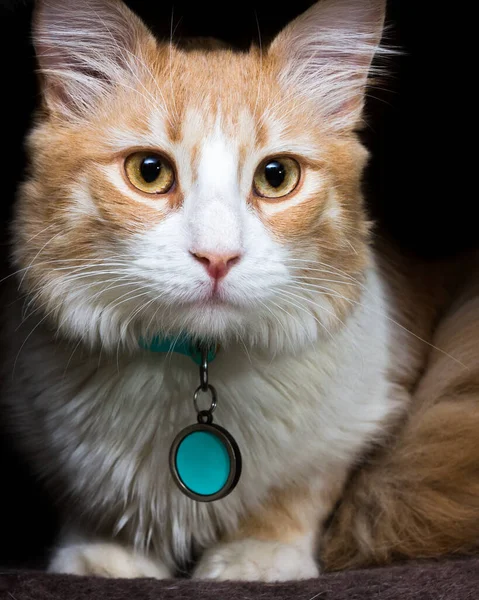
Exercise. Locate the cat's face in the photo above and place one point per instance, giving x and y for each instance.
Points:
(198, 191)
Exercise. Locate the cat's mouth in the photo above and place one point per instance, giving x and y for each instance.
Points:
(213, 300)
(216, 304)
(214, 295)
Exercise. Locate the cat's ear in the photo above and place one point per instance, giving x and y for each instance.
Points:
(326, 55)
(84, 48)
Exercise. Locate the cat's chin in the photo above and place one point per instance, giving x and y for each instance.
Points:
(214, 319)
(221, 321)
(227, 323)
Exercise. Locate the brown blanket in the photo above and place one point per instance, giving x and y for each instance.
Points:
(456, 579)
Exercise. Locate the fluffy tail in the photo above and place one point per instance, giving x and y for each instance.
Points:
(420, 498)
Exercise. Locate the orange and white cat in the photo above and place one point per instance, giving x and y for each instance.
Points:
(194, 190)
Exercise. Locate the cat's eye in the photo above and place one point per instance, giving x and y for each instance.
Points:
(149, 172)
(276, 177)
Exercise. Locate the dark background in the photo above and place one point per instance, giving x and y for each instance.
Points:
(419, 185)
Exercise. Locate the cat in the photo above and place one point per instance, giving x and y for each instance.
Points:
(202, 192)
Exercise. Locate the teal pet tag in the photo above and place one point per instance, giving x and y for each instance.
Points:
(205, 461)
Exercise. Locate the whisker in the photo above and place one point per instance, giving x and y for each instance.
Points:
(56, 261)
(277, 319)
(383, 314)
(330, 312)
(305, 278)
(39, 233)
(39, 307)
(240, 338)
(291, 303)
(123, 329)
(27, 338)
(308, 287)
(38, 254)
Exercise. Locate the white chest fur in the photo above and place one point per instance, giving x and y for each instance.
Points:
(107, 429)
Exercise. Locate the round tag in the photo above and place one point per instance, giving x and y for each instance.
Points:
(205, 462)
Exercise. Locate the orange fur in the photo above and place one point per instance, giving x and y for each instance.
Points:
(291, 512)
(418, 495)
(245, 87)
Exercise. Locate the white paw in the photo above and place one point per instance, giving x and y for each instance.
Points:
(254, 560)
(105, 560)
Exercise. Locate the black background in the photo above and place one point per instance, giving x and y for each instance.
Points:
(420, 185)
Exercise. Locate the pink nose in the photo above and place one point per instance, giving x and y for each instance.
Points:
(216, 265)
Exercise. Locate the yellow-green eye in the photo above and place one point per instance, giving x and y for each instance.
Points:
(276, 177)
(149, 172)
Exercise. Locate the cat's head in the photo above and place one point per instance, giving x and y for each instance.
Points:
(204, 191)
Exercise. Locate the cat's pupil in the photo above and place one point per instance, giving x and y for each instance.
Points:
(150, 168)
(275, 173)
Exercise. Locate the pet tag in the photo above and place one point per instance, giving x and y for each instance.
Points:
(205, 460)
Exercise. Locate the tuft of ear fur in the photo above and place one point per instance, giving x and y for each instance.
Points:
(84, 48)
(326, 54)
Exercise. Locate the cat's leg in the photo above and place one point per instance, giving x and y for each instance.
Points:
(79, 555)
(276, 543)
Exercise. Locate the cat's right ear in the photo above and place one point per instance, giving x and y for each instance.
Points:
(84, 49)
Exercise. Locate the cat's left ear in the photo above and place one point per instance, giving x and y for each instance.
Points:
(326, 54)
(85, 48)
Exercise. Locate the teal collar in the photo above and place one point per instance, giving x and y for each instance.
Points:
(181, 345)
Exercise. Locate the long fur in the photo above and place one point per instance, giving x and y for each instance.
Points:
(322, 350)
(420, 496)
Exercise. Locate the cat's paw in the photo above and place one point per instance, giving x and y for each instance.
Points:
(105, 560)
(254, 560)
